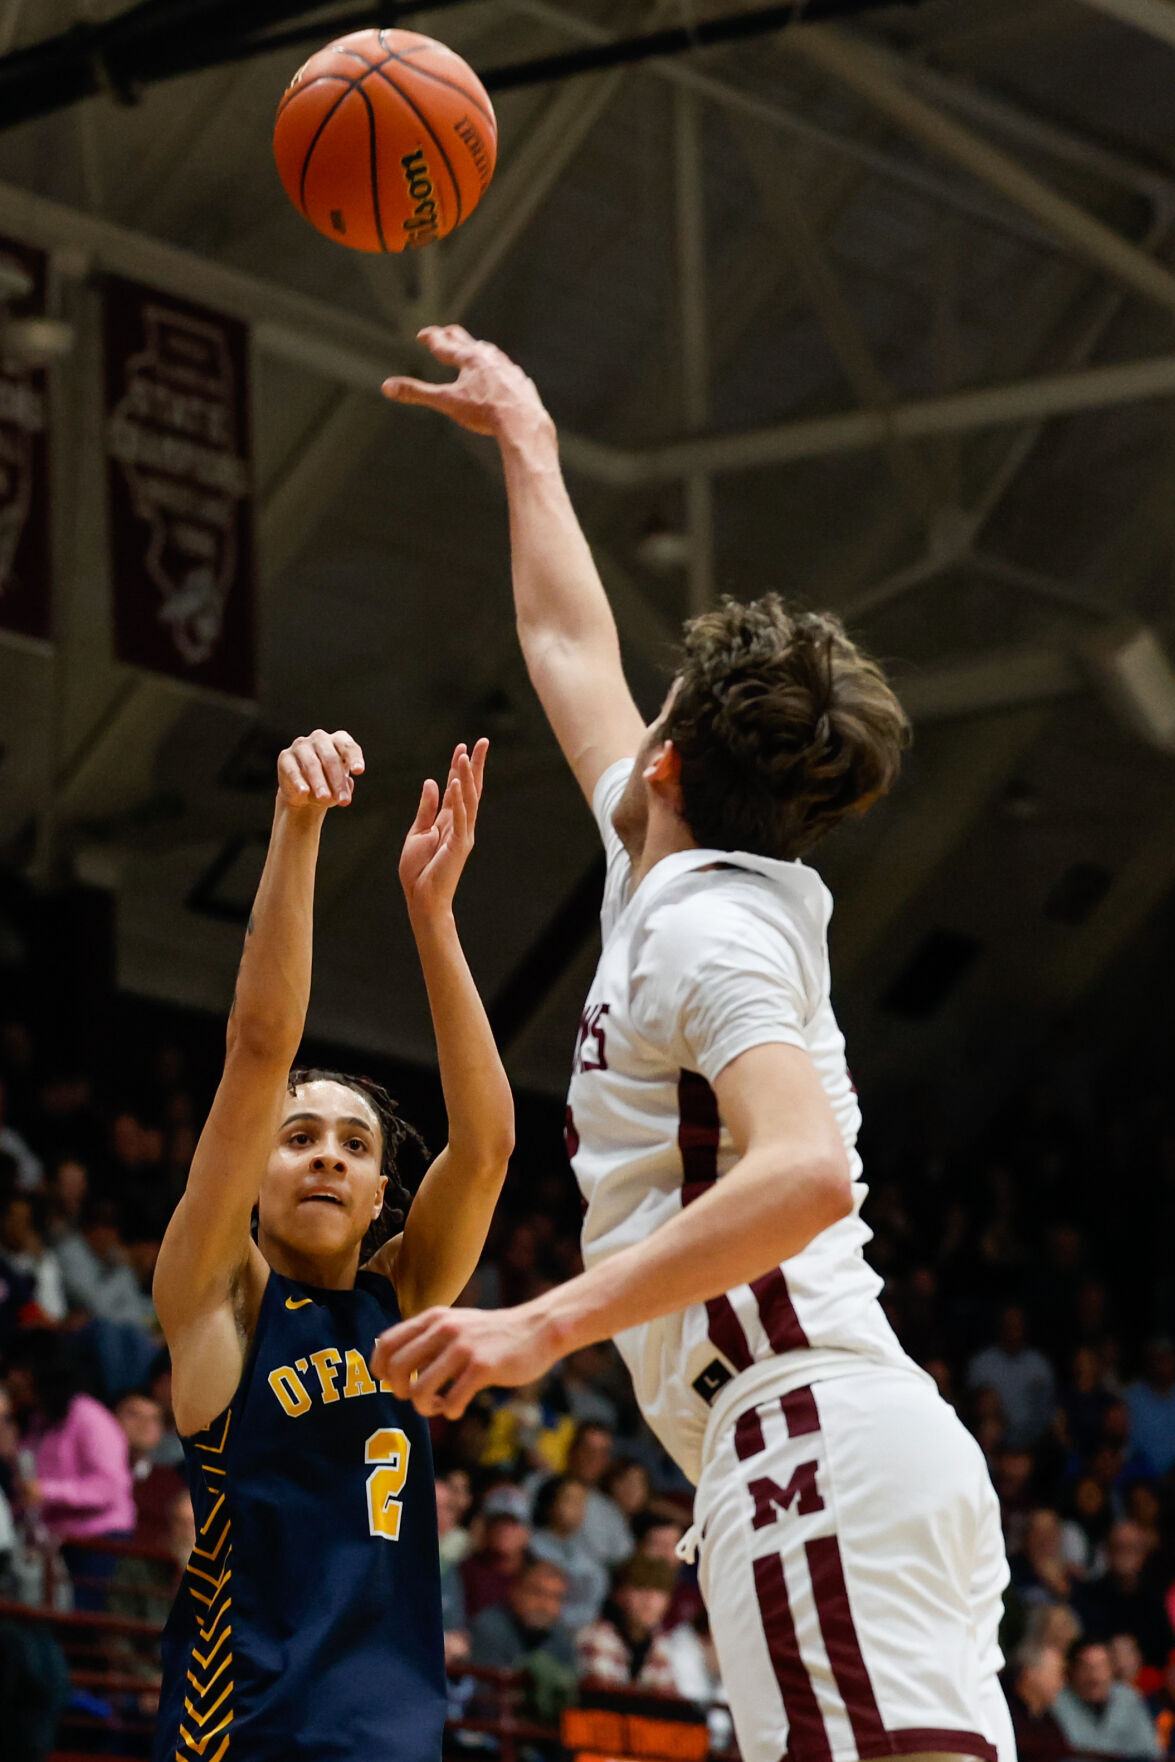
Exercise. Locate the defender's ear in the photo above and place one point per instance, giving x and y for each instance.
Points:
(663, 765)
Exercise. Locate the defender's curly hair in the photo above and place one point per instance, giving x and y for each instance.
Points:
(783, 725)
(401, 1147)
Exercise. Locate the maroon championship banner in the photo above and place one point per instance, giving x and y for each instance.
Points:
(179, 472)
(25, 608)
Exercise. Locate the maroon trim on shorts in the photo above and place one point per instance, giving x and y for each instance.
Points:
(800, 1412)
(920, 1739)
(807, 1737)
(748, 1434)
(777, 1312)
(843, 1647)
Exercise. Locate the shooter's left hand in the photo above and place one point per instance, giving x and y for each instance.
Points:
(441, 836)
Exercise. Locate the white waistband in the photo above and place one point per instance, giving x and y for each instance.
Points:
(771, 1377)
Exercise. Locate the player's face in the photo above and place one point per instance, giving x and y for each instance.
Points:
(323, 1186)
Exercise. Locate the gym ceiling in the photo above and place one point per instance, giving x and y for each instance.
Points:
(872, 304)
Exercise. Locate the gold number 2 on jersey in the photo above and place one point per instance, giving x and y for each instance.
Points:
(390, 1449)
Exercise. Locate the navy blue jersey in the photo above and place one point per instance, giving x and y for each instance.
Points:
(308, 1624)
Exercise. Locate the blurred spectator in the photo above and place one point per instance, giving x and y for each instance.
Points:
(1162, 1706)
(1151, 1401)
(656, 1533)
(143, 1589)
(488, 1573)
(22, 1242)
(1039, 1569)
(1013, 1474)
(604, 1532)
(559, 1512)
(1101, 1717)
(1091, 1518)
(623, 1645)
(583, 1376)
(1036, 1678)
(66, 1198)
(452, 1590)
(98, 1276)
(1021, 1376)
(1121, 1601)
(1127, 1665)
(1084, 1401)
(626, 1483)
(458, 1497)
(156, 1487)
(694, 1663)
(30, 1171)
(1054, 1624)
(508, 1636)
(527, 1431)
(82, 1490)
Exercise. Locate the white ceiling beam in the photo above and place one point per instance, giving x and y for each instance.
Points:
(1157, 17)
(852, 63)
(1057, 394)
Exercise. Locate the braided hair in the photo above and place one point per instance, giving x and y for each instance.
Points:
(783, 726)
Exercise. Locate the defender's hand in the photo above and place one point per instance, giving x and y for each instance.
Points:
(441, 836)
(489, 394)
(318, 770)
(456, 1352)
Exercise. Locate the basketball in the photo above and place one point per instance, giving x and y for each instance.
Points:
(385, 140)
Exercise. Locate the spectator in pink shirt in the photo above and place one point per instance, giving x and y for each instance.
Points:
(81, 1487)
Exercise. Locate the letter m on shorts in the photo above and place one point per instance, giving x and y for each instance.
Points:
(772, 1500)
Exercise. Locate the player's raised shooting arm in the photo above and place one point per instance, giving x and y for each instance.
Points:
(208, 1241)
(443, 1239)
(565, 623)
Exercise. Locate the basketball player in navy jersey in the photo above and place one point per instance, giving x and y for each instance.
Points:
(308, 1624)
(850, 1548)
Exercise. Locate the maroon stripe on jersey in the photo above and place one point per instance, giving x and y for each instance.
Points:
(844, 1649)
(807, 1739)
(776, 1312)
(698, 1133)
(726, 1331)
(748, 1435)
(799, 1410)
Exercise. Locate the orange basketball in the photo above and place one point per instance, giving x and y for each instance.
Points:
(385, 140)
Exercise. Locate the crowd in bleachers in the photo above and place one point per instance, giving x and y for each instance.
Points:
(1031, 1275)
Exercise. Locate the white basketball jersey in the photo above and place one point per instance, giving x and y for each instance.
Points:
(716, 952)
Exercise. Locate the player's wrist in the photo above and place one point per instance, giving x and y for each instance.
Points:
(527, 437)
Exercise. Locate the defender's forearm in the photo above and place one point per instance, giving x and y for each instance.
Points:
(559, 598)
(761, 1213)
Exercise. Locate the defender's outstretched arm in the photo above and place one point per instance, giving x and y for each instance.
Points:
(565, 623)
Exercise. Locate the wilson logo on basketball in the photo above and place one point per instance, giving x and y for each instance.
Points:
(421, 225)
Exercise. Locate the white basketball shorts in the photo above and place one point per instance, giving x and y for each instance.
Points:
(853, 1566)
